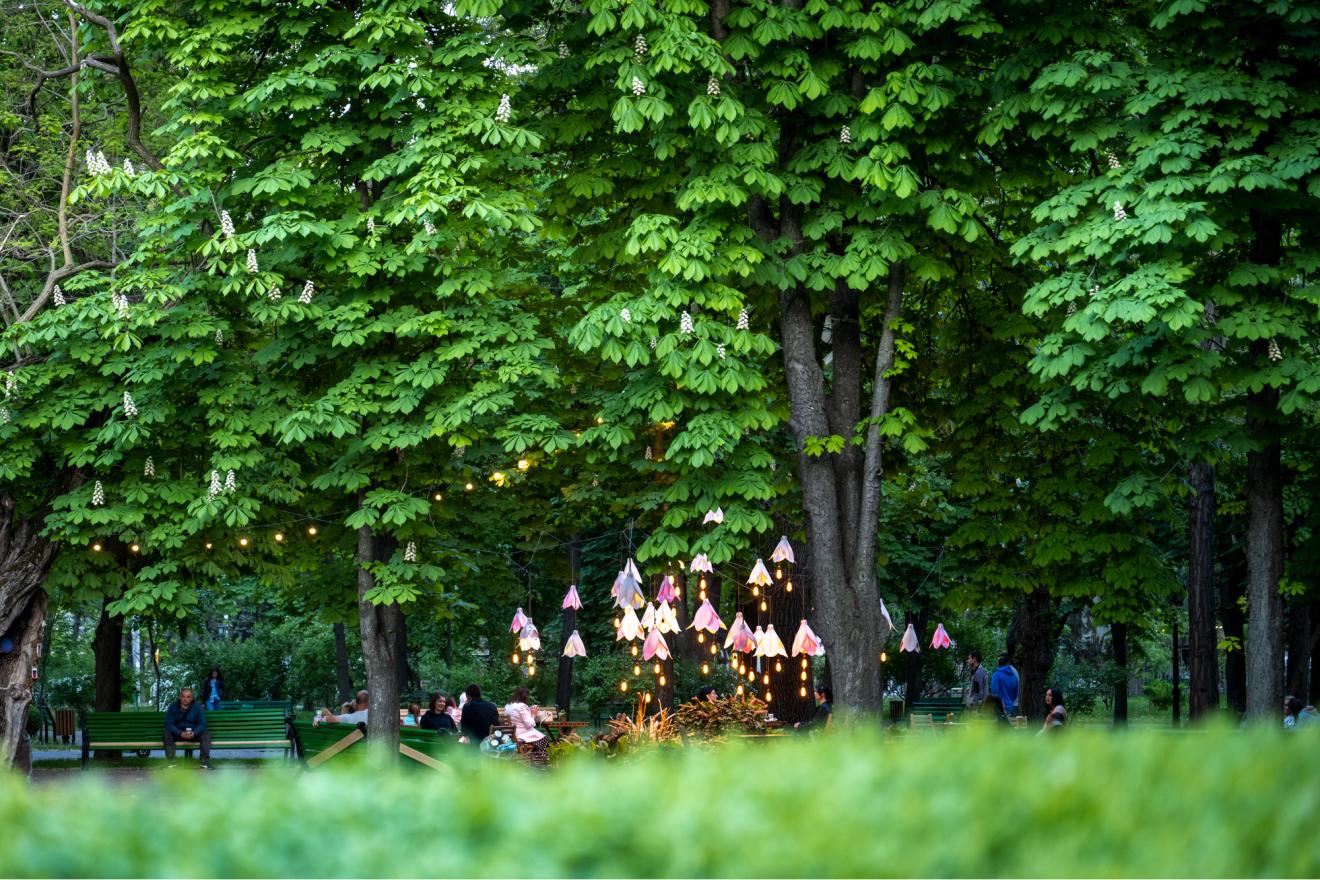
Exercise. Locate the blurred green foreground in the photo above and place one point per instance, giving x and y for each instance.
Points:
(1101, 804)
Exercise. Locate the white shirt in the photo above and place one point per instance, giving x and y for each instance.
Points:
(357, 717)
(524, 723)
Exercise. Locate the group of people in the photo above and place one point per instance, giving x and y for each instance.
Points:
(472, 718)
(1000, 696)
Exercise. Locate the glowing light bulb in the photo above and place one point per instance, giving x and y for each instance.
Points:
(515, 658)
(763, 605)
(804, 662)
(766, 680)
(756, 590)
(600, 420)
(279, 537)
(242, 542)
(714, 649)
(523, 464)
(469, 486)
(701, 638)
(662, 681)
(705, 669)
(802, 692)
(311, 530)
(134, 547)
(96, 548)
(767, 696)
(648, 696)
(438, 497)
(740, 690)
(779, 572)
(804, 675)
(634, 650)
(751, 675)
(678, 592)
(623, 686)
(884, 658)
(703, 595)
(531, 670)
(788, 588)
(617, 623)
(209, 545)
(637, 669)
(656, 669)
(733, 664)
(778, 667)
(703, 582)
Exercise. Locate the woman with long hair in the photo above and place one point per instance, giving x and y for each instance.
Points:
(213, 690)
(1056, 716)
(436, 718)
(531, 742)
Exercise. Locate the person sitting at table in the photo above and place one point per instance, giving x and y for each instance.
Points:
(452, 710)
(824, 709)
(357, 716)
(411, 717)
(436, 718)
(531, 742)
(480, 716)
(185, 720)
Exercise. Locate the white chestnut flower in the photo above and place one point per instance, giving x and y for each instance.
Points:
(504, 111)
(215, 486)
(1113, 161)
(685, 323)
(654, 342)
(98, 495)
(639, 46)
(744, 320)
(226, 224)
(11, 383)
(252, 266)
(219, 337)
(149, 469)
(130, 408)
(1276, 353)
(410, 552)
(1072, 309)
(845, 135)
(119, 302)
(371, 226)
(563, 50)
(649, 454)
(231, 482)
(309, 289)
(719, 350)
(638, 87)
(625, 315)
(128, 168)
(59, 296)
(1119, 214)
(429, 227)
(274, 294)
(4, 415)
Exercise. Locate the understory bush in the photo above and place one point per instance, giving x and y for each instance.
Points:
(1215, 803)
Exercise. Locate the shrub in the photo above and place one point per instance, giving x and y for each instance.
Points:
(834, 806)
(1160, 693)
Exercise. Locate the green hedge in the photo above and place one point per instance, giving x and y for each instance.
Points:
(1191, 804)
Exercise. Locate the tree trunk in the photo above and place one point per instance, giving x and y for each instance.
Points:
(1264, 560)
(1203, 657)
(407, 679)
(568, 623)
(1177, 677)
(25, 558)
(1033, 640)
(107, 653)
(1298, 677)
(1118, 637)
(840, 493)
(343, 679)
(380, 626)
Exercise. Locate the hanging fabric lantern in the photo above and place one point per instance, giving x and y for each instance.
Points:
(627, 591)
(530, 638)
(630, 627)
(740, 637)
(806, 641)
(770, 645)
(666, 591)
(941, 639)
(648, 618)
(631, 568)
(701, 562)
(574, 647)
(666, 618)
(760, 575)
(783, 551)
(519, 621)
(655, 646)
(884, 612)
(910, 642)
(571, 599)
(714, 516)
(706, 618)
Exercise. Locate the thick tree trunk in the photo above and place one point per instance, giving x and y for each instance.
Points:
(1298, 675)
(407, 679)
(108, 659)
(1264, 560)
(568, 623)
(1033, 640)
(380, 625)
(1118, 637)
(1203, 657)
(25, 558)
(343, 680)
(1235, 662)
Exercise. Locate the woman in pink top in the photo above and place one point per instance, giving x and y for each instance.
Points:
(531, 742)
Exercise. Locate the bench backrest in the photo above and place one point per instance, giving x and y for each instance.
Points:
(224, 724)
(286, 705)
(315, 739)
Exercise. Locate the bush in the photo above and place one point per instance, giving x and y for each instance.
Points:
(821, 806)
(1160, 693)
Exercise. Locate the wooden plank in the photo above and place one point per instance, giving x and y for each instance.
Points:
(335, 749)
(410, 752)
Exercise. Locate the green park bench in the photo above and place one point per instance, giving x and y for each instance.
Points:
(940, 709)
(286, 705)
(318, 743)
(144, 731)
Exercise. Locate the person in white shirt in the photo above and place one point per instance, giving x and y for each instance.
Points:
(357, 716)
(531, 742)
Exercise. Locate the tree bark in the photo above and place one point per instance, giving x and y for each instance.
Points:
(1033, 640)
(1203, 657)
(568, 623)
(343, 679)
(380, 626)
(1118, 638)
(1264, 560)
(1235, 661)
(25, 558)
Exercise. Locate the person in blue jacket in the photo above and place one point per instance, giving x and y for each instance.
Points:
(185, 721)
(214, 689)
(1006, 685)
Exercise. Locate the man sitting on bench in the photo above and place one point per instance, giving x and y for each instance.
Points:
(185, 720)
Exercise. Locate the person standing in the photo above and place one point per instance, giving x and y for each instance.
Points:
(1006, 685)
(480, 716)
(531, 742)
(976, 688)
(214, 689)
(185, 721)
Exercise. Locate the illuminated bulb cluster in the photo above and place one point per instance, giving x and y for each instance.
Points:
(504, 111)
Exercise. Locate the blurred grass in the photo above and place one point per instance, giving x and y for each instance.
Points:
(1210, 804)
